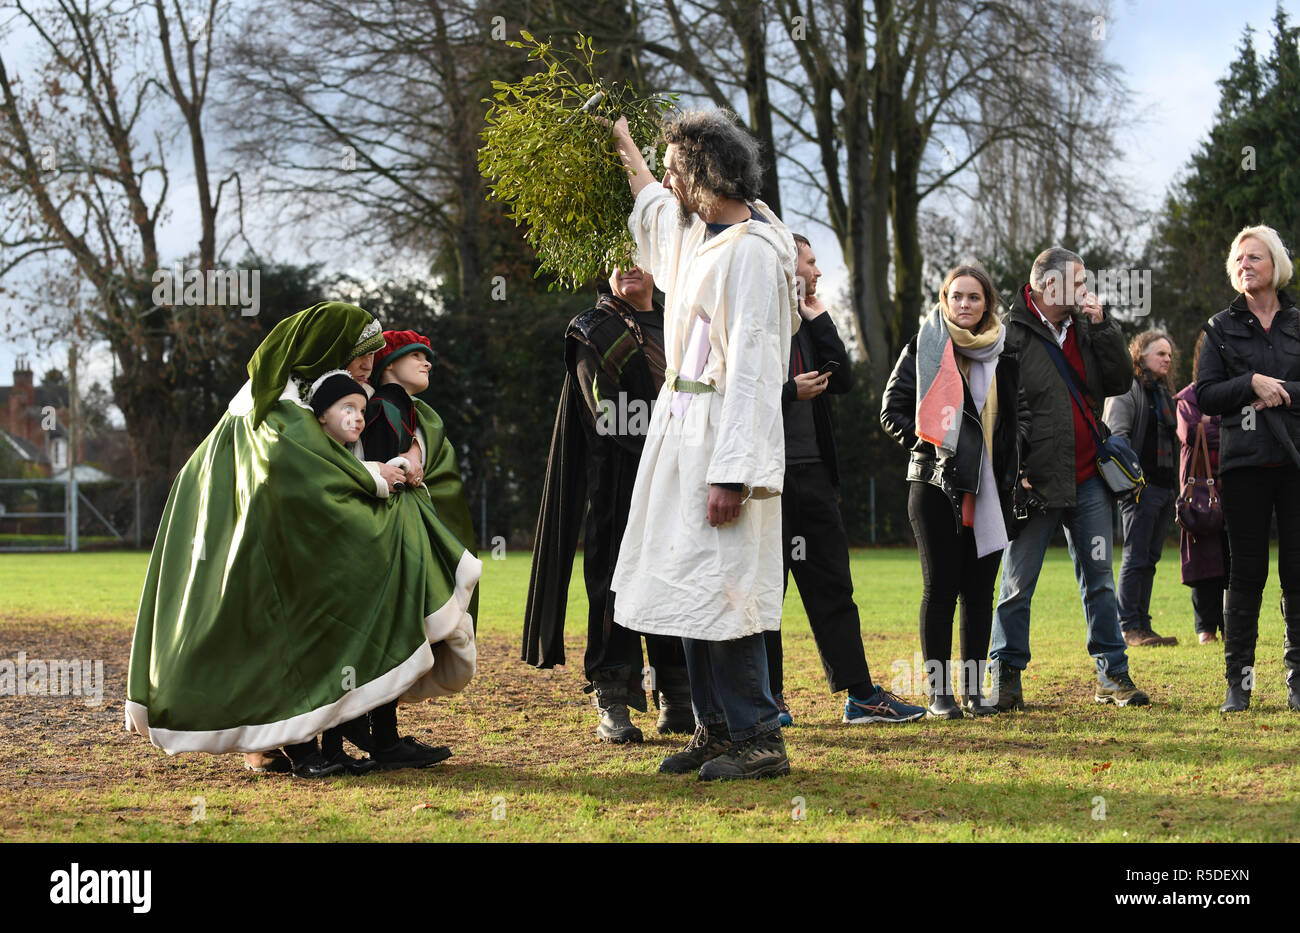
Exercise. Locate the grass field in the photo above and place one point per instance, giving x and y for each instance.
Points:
(527, 766)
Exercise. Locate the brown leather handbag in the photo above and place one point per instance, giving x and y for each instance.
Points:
(1200, 510)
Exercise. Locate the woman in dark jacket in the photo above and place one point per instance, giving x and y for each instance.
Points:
(1249, 372)
(964, 427)
(1144, 415)
(1204, 557)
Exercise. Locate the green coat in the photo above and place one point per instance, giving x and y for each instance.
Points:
(1049, 463)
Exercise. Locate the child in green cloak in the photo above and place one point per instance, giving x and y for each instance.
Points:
(392, 432)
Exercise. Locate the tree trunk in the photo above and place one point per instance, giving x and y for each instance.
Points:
(750, 27)
(909, 263)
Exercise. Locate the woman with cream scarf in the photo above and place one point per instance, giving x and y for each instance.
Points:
(954, 400)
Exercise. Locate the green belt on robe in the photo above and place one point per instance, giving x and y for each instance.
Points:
(678, 384)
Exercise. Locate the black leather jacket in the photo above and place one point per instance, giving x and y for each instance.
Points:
(959, 474)
(1223, 384)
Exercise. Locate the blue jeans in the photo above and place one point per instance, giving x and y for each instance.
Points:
(729, 684)
(1146, 524)
(1089, 533)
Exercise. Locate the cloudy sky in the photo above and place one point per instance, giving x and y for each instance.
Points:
(1172, 52)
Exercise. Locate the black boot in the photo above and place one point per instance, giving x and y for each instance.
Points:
(973, 702)
(1240, 632)
(1291, 648)
(357, 731)
(675, 714)
(308, 762)
(613, 693)
(940, 703)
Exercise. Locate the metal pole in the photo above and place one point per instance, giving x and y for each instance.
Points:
(72, 448)
(72, 512)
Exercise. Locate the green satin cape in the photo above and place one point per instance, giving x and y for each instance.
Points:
(283, 597)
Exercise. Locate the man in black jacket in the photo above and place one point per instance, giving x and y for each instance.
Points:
(614, 358)
(815, 547)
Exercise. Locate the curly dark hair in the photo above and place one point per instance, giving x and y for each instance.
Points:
(1138, 347)
(716, 158)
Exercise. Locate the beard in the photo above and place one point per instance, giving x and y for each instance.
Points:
(684, 216)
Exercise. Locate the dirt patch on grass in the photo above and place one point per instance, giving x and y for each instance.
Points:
(510, 716)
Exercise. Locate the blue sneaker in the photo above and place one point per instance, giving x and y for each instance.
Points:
(785, 719)
(881, 706)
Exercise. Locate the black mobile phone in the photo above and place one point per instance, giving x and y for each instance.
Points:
(829, 367)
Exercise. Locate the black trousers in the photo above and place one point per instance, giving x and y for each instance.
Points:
(950, 569)
(1207, 604)
(612, 647)
(816, 551)
(611, 473)
(1251, 495)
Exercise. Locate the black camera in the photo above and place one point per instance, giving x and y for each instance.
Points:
(1026, 502)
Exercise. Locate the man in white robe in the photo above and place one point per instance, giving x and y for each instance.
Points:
(701, 556)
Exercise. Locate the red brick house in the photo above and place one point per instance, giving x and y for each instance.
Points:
(34, 421)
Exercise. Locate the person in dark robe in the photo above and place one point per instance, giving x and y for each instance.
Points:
(614, 361)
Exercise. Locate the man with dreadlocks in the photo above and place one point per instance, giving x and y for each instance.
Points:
(701, 556)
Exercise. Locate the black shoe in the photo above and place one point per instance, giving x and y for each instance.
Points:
(357, 731)
(942, 706)
(1237, 700)
(674, 720)
(675, 713)
(315, 765)
(760, 756)
(616, 725)
(975, 705)
(1006, 686)
(353, 766)
(706, 744)
(408, 753)
(614, 692)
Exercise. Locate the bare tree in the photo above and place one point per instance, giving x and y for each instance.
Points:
(377, 140)
(874, 108)
(84, 169)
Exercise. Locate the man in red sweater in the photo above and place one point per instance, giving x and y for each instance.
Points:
(1056, 316)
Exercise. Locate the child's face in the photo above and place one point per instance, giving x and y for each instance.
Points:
(360, 368)
(344, 419)
(411, 371)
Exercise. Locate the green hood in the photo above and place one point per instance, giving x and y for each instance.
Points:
(307, 345)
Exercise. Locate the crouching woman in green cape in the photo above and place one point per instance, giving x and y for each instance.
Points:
(288, 590)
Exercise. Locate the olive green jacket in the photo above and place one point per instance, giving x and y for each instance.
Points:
(1049, 462)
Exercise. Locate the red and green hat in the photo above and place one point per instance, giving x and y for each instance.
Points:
(398, 343)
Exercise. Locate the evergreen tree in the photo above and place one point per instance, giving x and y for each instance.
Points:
(1243, 174)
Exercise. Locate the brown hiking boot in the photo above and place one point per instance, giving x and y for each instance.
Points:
(1123, 693)
(1146, 638)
